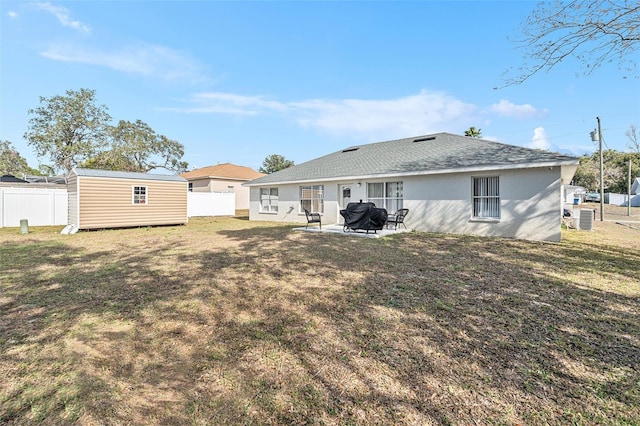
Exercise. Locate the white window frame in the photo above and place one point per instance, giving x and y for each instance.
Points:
(271, 199)
(143, 194)
(315, 201)
(388, 200)
(485, 197)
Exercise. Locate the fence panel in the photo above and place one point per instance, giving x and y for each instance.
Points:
(40, 206)
(211, 204)
(621, 199)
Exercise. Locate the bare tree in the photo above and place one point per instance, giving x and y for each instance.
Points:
(592, 31)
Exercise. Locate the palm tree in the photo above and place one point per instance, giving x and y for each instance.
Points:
(473, 132)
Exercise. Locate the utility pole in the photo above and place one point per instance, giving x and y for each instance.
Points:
(601, 172)
(629, 190)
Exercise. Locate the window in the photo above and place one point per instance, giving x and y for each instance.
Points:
(269, 200)
(139, 195)
(387, 195)
(190, 186)
(486, 197)
(312, 198)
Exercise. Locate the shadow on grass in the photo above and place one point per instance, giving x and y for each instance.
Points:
(498, 311)
(286, 327)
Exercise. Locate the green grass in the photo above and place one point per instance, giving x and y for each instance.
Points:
(226, 321)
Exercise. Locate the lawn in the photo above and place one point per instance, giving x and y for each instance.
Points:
(226, 321)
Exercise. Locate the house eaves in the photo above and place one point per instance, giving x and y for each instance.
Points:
(420, 173)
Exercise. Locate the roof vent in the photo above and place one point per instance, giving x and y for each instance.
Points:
(355, 148)
(428, 138)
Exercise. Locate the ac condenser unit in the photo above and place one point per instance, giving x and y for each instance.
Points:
(585, 222)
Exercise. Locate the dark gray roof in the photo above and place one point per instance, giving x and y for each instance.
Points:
(428, 154)
(127, 175)
(11, 179)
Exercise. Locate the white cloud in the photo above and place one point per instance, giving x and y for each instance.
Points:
(63, 15)
(417, 114)
(228, 103)
(144, 59)
(510, 109)
(425, 112)
(11, 14)
(540, 140)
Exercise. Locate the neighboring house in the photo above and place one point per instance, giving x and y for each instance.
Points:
(449, 183)
(635, 186)
(223, 178)
(108, 199)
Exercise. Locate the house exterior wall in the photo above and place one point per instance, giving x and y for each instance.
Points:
(222, 185)
(530, 203)
(107, 203)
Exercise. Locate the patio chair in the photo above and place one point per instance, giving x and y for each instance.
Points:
(397, 218)
(313, 218)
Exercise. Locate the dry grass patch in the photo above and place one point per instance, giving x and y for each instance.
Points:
(229, 321)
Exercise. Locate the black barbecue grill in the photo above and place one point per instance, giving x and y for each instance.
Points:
(363, 217)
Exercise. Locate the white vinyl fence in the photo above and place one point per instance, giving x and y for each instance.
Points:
(211, 204)
(622, 199)
(50, 206)
(40, 206)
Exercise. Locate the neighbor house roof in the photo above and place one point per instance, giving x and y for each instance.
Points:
(429, 154)
(225, 171)
(126, 175)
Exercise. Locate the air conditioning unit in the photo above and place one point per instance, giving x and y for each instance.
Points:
(585, 221)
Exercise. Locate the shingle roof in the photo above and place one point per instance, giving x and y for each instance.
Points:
(126, 175)
(437, 153)
(223, 171)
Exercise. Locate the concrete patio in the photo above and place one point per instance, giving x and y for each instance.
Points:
(337, 229)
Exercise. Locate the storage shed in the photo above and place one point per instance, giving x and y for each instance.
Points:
(109, 199)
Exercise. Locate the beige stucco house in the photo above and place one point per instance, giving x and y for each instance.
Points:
(109, 199)
(449, 183)
(225, 177)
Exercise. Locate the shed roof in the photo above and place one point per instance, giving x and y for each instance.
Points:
(223, 171)
(428, 154)
(126, 175)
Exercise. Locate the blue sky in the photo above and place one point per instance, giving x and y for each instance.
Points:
(237, 81)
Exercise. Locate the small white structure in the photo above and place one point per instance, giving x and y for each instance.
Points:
(574, 195)
(635, 186)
